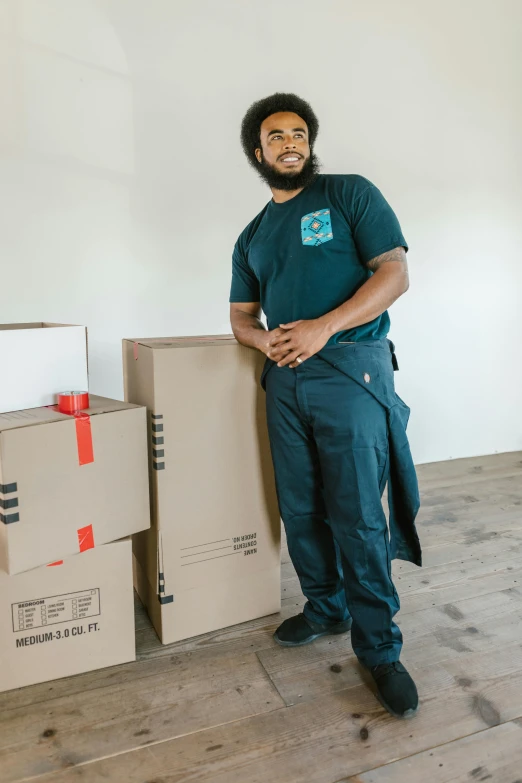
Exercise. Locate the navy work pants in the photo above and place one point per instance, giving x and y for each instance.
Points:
(329, 443)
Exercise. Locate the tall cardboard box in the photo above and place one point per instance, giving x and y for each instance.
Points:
(37, 361)
(212, 556)
(68, 483)
(69, 618)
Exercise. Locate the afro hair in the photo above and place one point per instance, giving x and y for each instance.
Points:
(273, 104)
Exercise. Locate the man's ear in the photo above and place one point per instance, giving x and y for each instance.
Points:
(259, 155)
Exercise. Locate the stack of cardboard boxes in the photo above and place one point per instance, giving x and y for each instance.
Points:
(75, 488)
(72, 488)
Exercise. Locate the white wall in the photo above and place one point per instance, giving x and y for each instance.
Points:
(123, 186)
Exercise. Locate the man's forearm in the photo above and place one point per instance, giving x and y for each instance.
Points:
(385, 286)
(248, 330)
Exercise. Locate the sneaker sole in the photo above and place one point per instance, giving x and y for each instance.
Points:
(311, 639)
(408, 715)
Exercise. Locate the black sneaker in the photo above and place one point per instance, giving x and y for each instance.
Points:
(298, 630)
(396, 690)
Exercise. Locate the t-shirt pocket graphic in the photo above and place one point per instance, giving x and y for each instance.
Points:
(316, 228)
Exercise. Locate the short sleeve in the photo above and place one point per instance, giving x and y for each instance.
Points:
(375, 227)
(245, 285)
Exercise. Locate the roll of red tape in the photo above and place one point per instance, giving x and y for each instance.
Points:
(73, 401)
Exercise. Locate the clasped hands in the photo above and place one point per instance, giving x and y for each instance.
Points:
(298, 339)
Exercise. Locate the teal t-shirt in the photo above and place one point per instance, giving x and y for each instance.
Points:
(305, 257)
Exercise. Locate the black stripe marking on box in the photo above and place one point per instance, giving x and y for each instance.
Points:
(6, 489)
(157, 415)
(156, 453)
(157, 428)
(8, 519)
(158, 465)
(11, 503)
(163, 599)
(158, 441)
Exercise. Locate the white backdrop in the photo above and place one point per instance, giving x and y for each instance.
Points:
(123, 186)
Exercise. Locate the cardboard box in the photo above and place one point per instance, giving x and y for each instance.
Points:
(68, 483)
(38, 361)
(67, 619)
(212, 556)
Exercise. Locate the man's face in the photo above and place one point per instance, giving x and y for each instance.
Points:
(285, 159)
(284, 142)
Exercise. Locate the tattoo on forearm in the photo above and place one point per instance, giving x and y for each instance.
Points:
(397, 254)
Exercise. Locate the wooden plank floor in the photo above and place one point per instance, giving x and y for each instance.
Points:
(233, 707)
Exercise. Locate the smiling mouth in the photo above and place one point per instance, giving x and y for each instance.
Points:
(290, 159)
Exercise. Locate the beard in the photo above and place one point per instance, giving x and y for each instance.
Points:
(290, 180)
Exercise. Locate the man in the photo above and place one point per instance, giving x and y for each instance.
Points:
(324, 260)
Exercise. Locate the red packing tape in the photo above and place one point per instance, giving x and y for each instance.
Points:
(72, 401)
(85, 538)
(84, 438)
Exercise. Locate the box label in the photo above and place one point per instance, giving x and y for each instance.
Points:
(66, 608)
(51, 636)
(237, 545)
(246, 544)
